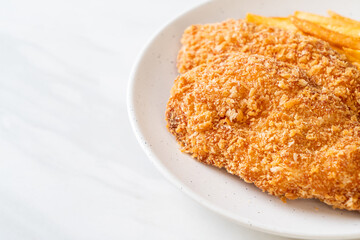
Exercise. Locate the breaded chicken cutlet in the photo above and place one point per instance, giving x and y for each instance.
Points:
(271, 124)
(327, 67)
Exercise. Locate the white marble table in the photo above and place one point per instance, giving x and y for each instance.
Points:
(70, 167)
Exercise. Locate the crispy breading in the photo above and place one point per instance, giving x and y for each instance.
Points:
(327, 67)
(271, 124)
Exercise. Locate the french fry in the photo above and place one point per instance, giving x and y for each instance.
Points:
(334, 24)
(339, 50)
(341, 32)
(353, 53)
(333, 37)
(279, 22)
(343, 19)
(315, 18)
(353, 60)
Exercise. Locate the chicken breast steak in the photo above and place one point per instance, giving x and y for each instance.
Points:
(328, 68)
(270, 123)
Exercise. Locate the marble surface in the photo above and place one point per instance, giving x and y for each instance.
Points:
(70, 166)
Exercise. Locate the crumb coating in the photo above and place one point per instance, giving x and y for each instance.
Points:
(328, 68)
(270, 123)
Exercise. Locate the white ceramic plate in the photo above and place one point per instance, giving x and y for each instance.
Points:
(223, 193)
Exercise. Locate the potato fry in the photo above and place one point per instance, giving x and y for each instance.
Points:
(353, 60)
(352, 52)
(335, 38)
(343, 19)
(342, 33)
(311, 17)
(333, 24)
(338, 49)
(279, 22)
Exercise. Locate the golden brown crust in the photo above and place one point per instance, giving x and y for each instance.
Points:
(327, 67)
(271, 124)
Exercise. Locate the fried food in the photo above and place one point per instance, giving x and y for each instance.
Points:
(353, 55)
(280, 22)
(333, 24)
(344, 20)
(339, 31)
(328, 68)
(269, 123)
(334, 37)
(352, 52)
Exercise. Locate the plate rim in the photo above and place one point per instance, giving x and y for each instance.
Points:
(130, 102)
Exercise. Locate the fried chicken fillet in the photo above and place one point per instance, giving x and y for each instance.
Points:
(327, 67)
(269, 123)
